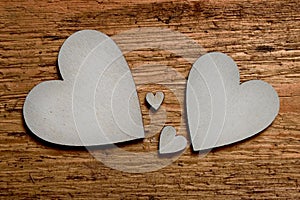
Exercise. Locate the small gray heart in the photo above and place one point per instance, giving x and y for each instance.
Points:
(170, 142)
(155, 100)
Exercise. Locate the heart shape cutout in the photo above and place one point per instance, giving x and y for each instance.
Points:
(155, 100)
(222, 111)
(95, 104)
(170, 142)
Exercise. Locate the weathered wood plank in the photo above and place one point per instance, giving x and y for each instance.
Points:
(262, 36)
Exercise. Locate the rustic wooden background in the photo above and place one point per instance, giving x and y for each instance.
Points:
(262, 36)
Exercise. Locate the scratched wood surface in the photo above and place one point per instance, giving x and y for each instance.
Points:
(262, 36)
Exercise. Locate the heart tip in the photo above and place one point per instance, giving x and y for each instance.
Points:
(154, 108)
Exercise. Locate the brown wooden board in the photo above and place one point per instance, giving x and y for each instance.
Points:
(263, 37)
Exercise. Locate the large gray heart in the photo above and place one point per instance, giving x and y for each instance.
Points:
(222, 111)
(95, 104)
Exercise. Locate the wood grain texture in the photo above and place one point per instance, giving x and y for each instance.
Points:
(262, 36)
